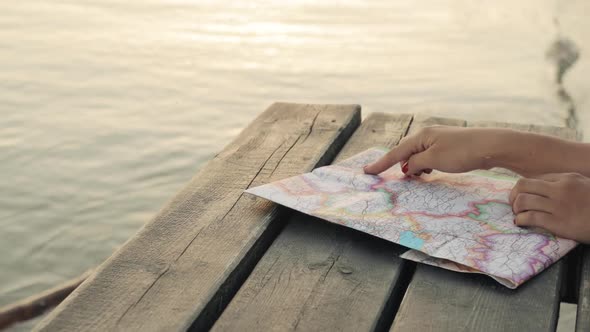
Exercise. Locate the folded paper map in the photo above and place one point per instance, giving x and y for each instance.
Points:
(460, 222)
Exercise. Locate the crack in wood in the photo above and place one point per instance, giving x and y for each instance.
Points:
(283, 156)
(125, 298)
(325, 274)
(144, 294)
(189, 244)
(264, 280)
(312, 123)
(234, 204)
(321, 280)
(251, 181)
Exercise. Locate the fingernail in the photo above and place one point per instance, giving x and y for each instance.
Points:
(405, 167)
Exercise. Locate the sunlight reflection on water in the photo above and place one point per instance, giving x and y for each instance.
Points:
(110, 107)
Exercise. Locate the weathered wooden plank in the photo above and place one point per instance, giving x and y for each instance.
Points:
(583, 312)
(320, 276)
(186, 264)
(448, 301)
(441, 300)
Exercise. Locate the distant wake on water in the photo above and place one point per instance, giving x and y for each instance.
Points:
(564, 53)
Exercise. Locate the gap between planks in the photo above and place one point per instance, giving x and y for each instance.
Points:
(321, 276)
(184, 266)
(448, 301)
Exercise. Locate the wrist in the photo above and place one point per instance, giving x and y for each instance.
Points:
(531, 154)
(504, 148)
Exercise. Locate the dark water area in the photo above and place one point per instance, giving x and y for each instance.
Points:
(108, 108)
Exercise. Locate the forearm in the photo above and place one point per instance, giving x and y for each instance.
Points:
(531, 154)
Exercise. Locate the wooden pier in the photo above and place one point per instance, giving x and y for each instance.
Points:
(214, 258)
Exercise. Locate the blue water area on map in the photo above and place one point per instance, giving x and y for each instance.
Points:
(408, 239)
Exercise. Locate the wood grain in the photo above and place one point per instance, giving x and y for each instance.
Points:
(319, 276)
(440, 300)
(185, 265)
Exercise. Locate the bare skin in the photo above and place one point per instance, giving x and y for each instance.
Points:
(554, 193)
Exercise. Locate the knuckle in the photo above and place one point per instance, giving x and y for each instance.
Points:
(426, 130)
(512, 196)
(520, 184)
(570, 180)
(561, 192)
(519, 202)
(575, 177)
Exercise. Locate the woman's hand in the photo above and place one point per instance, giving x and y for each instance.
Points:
(447, 149)
(456, 149)
(559, 203)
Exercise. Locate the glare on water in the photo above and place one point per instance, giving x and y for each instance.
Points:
(109, 107)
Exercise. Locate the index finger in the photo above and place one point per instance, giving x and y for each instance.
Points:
(407, 147)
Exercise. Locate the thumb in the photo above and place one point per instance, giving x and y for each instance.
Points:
(420, 162)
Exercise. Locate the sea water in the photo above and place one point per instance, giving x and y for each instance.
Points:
(107, 108)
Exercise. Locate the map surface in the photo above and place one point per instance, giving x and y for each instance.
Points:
(461, 222)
